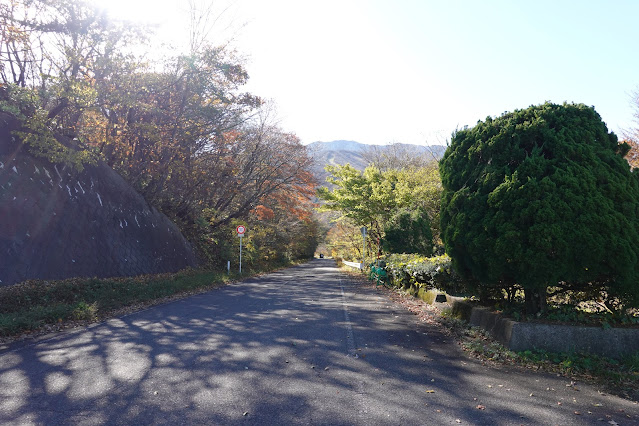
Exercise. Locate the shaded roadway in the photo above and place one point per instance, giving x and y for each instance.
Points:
(300, 346)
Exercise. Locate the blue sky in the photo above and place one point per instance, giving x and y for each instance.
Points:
(412, 71)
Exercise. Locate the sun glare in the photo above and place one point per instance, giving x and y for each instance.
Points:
(142, 11)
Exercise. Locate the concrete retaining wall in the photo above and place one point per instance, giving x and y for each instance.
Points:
(520, 336)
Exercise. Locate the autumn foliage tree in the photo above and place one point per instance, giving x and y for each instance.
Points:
(284, 226)
(179, 129)
(344, 240)
(62, 50)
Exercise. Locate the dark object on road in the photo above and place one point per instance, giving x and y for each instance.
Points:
(441, 298)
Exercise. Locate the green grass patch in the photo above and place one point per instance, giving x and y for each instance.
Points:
(619, 377)
(618, 371)
(32, 305)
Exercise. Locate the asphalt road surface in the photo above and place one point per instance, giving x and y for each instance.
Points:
(300, 346)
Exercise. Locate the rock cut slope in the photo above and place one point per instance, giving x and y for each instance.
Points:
(58, 223)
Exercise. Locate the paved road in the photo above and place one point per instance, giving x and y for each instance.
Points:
(300, 346)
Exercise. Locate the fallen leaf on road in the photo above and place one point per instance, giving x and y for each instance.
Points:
(458, 421)
(430, 391)
(481, 407)
(531, 394)
(578, 413)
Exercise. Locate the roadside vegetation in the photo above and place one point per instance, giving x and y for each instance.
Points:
(534, 214)
(174, 122)
(541, 201)
(38, 307)
(397, 198)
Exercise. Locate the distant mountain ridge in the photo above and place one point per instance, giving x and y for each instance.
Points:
(339, 145)
(344, 151)
(334, 153)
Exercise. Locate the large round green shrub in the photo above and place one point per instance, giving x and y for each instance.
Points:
(542, 197)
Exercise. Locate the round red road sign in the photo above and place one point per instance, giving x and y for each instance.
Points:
(241, 229)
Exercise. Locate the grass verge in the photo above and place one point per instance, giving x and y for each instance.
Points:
(38, 307)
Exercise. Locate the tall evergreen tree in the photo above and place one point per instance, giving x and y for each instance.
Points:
(409, 231)
(542, 197)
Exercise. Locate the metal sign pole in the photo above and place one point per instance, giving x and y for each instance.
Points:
(363, 229)
(241, 229)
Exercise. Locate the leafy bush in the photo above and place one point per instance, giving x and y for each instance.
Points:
(414, 272)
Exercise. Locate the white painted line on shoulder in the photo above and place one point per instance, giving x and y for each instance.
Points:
(350, 338)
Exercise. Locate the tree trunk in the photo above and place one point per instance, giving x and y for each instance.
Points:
(535, 300)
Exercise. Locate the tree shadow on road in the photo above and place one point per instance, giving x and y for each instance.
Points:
(300, 346)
